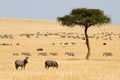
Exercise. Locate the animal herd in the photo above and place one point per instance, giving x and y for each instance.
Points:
(48, 63)
(70, 35)
(73, 35)
(41, 52)
(23, 63)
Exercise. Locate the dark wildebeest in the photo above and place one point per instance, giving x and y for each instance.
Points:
(21, 63)
(50, 63)
(39, 49)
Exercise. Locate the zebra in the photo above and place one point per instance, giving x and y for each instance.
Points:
(21, 63)
(50, 63)
(53, 54)
(70, 53)
(26, 54)
(42, 54)
(107, 54)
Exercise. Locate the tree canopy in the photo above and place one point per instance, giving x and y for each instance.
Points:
(84, 17)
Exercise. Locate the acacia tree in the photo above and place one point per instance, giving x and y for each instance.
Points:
(84, 17)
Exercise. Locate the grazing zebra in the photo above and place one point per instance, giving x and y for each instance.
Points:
(70, 53)
(15, 54)
(50, 63)
(53, 54)
(107, 54)
(42, 54)
(21, 63)
(26, 54)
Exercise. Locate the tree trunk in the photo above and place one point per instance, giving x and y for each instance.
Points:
(87, 43)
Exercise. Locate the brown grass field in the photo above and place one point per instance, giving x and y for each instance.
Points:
(22, 35)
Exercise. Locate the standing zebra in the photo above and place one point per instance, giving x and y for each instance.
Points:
(21, 63)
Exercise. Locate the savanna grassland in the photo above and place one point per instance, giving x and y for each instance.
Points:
(37, 37)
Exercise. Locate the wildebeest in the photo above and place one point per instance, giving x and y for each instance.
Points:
(40, 49)
(21, 63)
(50, 63)
(104, 43)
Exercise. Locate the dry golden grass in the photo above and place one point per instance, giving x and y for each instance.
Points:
(99, 67)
